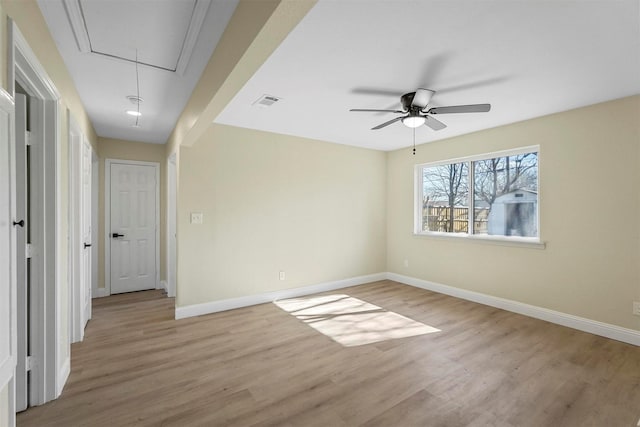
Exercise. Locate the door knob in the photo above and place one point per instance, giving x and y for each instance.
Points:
(87, 245)
(20, 223)
(116, 235)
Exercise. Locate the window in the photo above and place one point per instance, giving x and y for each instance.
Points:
(490, 195)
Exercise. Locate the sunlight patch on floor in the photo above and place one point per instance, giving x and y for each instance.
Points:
(350, 321)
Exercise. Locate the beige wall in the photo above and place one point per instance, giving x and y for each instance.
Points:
(273, 202)
(127, 150)
(589, 210)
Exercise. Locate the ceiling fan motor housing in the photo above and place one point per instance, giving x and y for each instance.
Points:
(407, 100)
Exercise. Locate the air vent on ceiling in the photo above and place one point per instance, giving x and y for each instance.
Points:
(266, 101)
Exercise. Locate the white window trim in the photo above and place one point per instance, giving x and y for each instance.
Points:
(515, 241)
(531, 242)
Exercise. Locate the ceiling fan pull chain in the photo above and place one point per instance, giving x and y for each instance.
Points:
(414, 141)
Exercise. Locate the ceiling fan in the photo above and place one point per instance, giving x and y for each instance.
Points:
(415, 112)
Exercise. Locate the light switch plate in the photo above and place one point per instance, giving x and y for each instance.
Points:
(197, 217)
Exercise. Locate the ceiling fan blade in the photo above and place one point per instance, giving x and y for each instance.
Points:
(474, 84)
(433, 123)
(376, 91)
(387, 123)
(433, 66)
(366, 110)
(475, 108)
(422, 98)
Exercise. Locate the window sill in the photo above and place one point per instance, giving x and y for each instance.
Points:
(522, 242)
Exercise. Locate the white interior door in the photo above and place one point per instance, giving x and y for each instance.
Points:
(77, 240)
(21, 253)
(86, 231)
(80, 230)
(133, 227)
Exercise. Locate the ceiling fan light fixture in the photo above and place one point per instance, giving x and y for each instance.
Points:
(413, 121)
(133, 113)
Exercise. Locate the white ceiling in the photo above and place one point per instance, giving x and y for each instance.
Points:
(100, 53)
(526, 58)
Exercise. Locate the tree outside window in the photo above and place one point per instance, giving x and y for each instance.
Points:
(446, 189)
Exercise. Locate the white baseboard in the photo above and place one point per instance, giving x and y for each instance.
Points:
(232, 303)
(164, 286)
(102, 292)
(63, 375)
(607, 330)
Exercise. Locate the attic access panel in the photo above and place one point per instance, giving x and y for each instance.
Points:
(157, 29)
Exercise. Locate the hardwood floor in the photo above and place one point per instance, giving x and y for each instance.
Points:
(262, 366)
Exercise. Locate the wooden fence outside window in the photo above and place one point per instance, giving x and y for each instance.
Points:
(438, 218)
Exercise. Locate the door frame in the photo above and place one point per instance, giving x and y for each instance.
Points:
(8, 290)
(95, 211)
(48, 325)
(172, 253)
(22, 175)
(107, 217)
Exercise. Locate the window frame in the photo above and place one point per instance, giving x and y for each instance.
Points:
(535, 242)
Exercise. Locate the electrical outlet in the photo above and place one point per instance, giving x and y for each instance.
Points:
(282, 275)
(636, 308)
(406, 263)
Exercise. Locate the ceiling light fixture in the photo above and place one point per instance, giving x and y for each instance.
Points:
(134, 99)
(413, 121)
